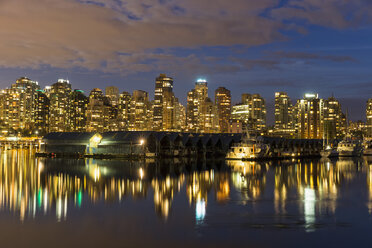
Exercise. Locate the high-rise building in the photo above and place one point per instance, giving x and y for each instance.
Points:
(124, 110)
(284, 116)
(78, 111)
(98, 112)
(201, 113)
(140, 112)
(223, 104)
(251, 112)
(112, 93)
(209, 117)
(40, 114)
(163, 106)
(332, 119)
(369, 118)
(59, 96)
(180, 116)
(18, 106)
(310, 112)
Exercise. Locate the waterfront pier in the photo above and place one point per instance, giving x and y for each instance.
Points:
(148, 144)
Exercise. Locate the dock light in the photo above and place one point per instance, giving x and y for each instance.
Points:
(96, 139)
(142, 141)
(141, 173)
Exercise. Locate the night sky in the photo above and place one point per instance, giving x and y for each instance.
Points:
(252, 46)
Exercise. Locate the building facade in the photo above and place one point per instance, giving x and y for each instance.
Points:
(164, 104)
(310, 113)
(369, 118)
(78, 111)
(223, 104)
(59, 96)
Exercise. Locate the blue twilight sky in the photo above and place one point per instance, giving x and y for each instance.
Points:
(255, 46)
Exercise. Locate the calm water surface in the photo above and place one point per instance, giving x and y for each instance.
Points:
(105, 203)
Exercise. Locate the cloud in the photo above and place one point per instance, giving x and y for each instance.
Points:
(330, 13)
(312, 56)
(90, 34)
(123, 36)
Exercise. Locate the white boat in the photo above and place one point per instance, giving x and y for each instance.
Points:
(349, 147)
(329, 152)
(367, 148)
(248, 149)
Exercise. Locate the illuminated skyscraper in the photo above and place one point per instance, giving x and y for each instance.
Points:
(98, 112)
(180, 116)
(164, 103)
(124, 110)
(369, 118)
(78, 111)
(284, 117)
(18, 106)
(40, 114)
(310, 111)
(112, 93)
(252, 112)
(201, 113)
(59, 96)
(223, 104)
(332, 119)
(209, 117)
(140, 112)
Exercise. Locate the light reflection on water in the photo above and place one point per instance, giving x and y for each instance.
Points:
(304, 195)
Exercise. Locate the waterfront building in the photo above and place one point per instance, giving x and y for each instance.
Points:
(369, 118)
(209, 117)
(40, 115)
(112, 93)
(98, 112)
(180, 116)
(223, 104)
(78, 111)
(59, 96)
(201, 113)
(140, 112)
(332, 119)
(310, 111)
(236, 126)
(164, 104)
(284, 117)
(124, 110)
(251, 111)
(17, 106)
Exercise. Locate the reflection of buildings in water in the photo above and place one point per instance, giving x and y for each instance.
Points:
(369, 183)
(285, 179)
(317, 187)
(198, 185)
(32, 186)
(164, 190)
(19, 182)
(249, 178)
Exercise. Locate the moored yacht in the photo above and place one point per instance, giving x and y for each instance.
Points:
(367, 148)
(329, 152)
(248, 149)
(349, 147)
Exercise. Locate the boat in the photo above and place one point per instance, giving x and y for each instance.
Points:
(367, 148)
(349, 147)
(329, 152)
(249, 148)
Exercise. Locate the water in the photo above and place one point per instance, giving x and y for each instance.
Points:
(103, 203)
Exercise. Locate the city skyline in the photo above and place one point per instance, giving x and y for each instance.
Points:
(27, 109)
(256, 46)
(346, 106)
